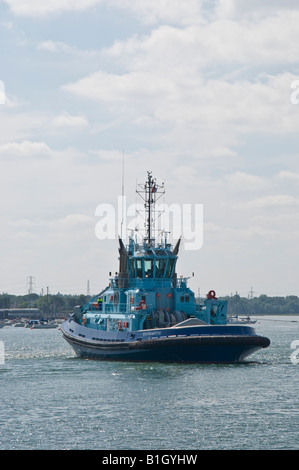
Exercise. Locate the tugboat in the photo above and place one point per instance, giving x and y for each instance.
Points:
(147, 313)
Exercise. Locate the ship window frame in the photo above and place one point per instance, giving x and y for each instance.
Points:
(170, 264)
(139, 270)
(148, 272)
(160, 271)
(132, 266)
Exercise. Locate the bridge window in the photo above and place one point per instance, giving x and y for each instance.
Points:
(148, 267)
(132, 267)
(169, 268)
(160, 267)
(139, 271)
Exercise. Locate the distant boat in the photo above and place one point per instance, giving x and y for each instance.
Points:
(147, 313)
(5, 323)
(240, 320)
(39, 325)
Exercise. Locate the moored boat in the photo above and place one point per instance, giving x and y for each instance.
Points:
(236, 320)
(41, 325)
(147, 313)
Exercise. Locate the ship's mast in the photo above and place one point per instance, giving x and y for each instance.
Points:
(151, 192)
(148, 205)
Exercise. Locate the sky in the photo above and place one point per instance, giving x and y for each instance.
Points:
(203, 93)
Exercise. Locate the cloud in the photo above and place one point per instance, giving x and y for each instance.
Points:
(170, 11)
(67, 223)
(6, 24)
(52, 46)
(73, 220)
(149, 11)
(16, 124)
(25, 150)
(2, 92)
(275, 201)
(66, 120)
(41, 8)
(155, 11)
(200, 79)
(240, 181)
(58, 47)
(254, 8)
(120, 89)
(289, 175)
(230, 107)
(211, 44)
(110, 155)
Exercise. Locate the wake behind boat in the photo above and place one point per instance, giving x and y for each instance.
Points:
(147, 313)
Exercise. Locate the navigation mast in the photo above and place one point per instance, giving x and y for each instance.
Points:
(150, 192)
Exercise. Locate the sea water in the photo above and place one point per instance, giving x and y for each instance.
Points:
(52, 400)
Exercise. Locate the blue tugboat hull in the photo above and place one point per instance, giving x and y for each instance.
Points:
(210, 344)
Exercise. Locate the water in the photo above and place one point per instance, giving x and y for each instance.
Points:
(52, 400)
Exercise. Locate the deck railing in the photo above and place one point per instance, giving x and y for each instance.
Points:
(123, 308)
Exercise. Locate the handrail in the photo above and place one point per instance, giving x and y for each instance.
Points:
(123, 308)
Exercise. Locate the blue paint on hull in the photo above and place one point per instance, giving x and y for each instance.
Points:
(203, 344)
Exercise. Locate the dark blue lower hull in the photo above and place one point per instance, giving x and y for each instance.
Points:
(218, 348)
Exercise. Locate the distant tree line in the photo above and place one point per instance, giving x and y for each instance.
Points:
(263, 305)
(47, 304)
(64, 304)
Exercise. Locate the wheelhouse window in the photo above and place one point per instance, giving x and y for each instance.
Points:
(148, 268)
(170, 268)
(139, 271)
(132, 267)
(160, 267)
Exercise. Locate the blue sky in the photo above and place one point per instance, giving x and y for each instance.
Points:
(199, 92)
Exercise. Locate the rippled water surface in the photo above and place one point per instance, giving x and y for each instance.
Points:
(52, 400)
